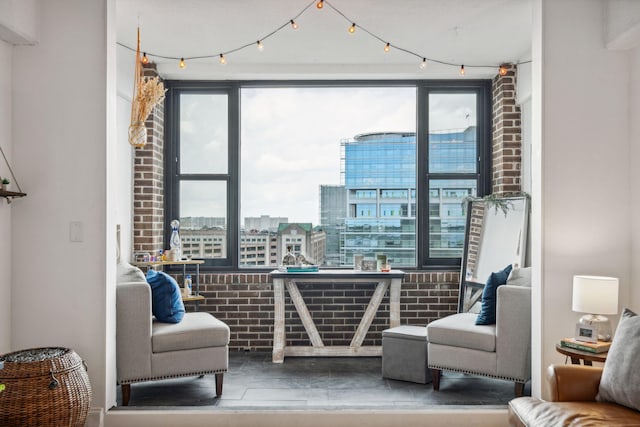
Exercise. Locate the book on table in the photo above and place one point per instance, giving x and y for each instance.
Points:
(591, 347)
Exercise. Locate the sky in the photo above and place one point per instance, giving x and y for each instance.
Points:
(290, 142)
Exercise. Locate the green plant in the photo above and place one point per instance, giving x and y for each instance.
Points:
(5, 181)
(504, 203)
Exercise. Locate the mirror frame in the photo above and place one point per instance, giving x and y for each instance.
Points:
(470, 291)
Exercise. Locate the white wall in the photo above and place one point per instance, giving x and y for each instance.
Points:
(18, 21)
(5, 209)
(581, 203)
(634, 159)
(60, 139)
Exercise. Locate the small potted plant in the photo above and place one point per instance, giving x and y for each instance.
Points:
(5, 184)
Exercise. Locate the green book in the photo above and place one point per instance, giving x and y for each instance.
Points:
(598, 347)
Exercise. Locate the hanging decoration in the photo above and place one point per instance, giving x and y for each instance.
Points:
(387, 45)
(147, 93)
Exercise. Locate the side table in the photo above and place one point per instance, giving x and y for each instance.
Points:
(577, 355)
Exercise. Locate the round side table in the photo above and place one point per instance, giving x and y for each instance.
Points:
(577, 355)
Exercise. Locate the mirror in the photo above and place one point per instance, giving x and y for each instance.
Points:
(495, 236)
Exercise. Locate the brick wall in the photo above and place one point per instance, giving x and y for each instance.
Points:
(244, 301)
(148, 193)
(507, 135)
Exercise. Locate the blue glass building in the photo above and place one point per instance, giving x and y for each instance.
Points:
(379, 175)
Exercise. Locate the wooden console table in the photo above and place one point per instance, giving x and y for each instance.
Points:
(391, 280)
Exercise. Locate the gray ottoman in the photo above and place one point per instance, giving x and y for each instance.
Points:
(404, 354)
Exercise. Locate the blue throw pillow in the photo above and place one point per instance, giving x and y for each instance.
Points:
(487, 314)
(166, 303)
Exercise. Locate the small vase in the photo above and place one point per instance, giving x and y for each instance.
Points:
(138, 134)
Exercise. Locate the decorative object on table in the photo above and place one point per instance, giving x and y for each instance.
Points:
(5, 184)
(301, 260)
(289, 258)
(357, 261)
(174, 242)
(147, 93)
(44, 387)
(369, 265)
(381, 259)
(595, 295)
(591, 347)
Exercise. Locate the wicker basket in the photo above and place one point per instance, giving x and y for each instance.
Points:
(44, 387)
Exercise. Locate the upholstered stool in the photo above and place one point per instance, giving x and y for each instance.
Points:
(404, 354)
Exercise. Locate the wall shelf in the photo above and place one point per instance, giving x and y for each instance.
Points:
(11, 194)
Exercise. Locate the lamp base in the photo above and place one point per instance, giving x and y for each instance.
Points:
(600, 323)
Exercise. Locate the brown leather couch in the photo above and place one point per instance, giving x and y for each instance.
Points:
(573, 402)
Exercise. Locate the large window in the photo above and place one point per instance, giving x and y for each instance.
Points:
(326, 169)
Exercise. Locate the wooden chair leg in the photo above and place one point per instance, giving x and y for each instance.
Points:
(219, 384)
(435, 376)
(126, 394)
(519, 389)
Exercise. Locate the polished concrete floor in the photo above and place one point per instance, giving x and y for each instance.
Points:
(254, 382)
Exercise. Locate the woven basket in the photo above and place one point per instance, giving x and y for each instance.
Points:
(44, 387)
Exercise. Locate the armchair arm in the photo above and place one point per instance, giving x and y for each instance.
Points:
(513, 332)
(573, 383)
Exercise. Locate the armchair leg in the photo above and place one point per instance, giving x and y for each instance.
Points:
(519, 389)
(126, 394)
(435, 375)
(219, 384)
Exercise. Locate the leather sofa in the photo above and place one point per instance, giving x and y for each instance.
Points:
(573, 402)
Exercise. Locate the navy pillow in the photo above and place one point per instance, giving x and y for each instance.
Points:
(166, 303)
(487, 314)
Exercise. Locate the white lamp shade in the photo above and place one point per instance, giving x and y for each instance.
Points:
(595, 294)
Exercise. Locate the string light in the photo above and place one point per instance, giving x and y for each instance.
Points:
(502, 68)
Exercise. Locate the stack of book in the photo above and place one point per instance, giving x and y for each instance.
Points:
(591, 347)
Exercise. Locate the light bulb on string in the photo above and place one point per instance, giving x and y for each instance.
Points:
(223, 60)
(462, 70)
(423, 64)
(144, 59)
(320, 4)
(294, 24)
(387, 47)
(503, 70)
(182, 63)
(260, 46)
(352, 28)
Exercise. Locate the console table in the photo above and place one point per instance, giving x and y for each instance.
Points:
(389, 280)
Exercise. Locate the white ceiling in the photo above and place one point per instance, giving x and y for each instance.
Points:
(473, 32)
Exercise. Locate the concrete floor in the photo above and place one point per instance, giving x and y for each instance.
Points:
(254, 382)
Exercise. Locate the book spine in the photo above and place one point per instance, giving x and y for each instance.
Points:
(581, 347)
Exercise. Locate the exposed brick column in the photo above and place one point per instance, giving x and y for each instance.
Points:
(507, 136)
(148, 182)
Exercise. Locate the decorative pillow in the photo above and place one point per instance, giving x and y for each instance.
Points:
(620, 382)
(487, 314)
(128, 273)
(520, 277)
(166, 302)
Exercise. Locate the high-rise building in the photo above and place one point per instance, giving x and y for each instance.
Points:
(333, 211)
(379, 175)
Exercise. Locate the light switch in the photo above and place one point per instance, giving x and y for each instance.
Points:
(75, 231)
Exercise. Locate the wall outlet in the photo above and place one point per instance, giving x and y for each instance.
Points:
(75, 231)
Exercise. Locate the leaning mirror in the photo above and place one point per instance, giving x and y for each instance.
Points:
(495, 236)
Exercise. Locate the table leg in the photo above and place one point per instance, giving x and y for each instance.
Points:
(394, 303)
(369, 313)
(278, 321)
(304, 314)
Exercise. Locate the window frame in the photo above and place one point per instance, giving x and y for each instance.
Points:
(173, 177)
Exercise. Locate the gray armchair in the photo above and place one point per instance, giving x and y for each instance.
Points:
(151, 350)
(503, 350)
